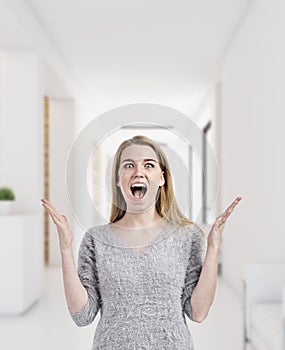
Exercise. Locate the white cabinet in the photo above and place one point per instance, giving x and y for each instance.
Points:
(21, 262)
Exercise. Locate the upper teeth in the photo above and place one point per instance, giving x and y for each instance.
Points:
(138, 185)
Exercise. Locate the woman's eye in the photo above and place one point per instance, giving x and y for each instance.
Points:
(128, 164)
(151, 165)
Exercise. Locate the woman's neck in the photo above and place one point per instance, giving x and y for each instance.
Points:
(141, 220)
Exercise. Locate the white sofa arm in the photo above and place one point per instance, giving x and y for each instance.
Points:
(263, 283)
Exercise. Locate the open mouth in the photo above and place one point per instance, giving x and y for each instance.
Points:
(138, 190)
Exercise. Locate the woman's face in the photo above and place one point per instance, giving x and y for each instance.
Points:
(140, 176)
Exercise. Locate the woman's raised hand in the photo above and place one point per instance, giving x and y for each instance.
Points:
(64, 232)
(215, 234)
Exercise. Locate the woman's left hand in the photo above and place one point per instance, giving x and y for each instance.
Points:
(215, 234)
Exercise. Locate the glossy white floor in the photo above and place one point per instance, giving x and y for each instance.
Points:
(47, 324)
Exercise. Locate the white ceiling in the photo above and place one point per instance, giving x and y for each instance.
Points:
(127, 51)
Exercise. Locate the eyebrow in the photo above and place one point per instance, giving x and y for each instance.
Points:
(145, 160)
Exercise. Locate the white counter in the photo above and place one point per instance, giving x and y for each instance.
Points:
(21, 262)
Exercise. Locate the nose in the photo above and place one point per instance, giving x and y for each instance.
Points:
(138, 170)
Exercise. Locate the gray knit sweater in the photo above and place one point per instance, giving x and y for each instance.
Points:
(142, 296)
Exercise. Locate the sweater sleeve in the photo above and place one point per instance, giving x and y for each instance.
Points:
(194, 268)
(88, 276)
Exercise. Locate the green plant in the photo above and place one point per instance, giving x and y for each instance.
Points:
(6, 194)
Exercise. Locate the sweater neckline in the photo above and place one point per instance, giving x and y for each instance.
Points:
(142, 249)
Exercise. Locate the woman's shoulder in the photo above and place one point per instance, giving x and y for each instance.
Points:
(190, 233)
(95, 236)
(188, 227)
(97, 230)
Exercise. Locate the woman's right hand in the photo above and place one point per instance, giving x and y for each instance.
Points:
(64, 232)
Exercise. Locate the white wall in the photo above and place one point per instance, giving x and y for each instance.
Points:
(21, 125)
(21, 30)
(61, 134)
(253, 109)
(21, 150)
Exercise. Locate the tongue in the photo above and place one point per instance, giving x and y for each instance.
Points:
(138, 194)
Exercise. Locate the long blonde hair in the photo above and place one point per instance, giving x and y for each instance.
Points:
(166, 205)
